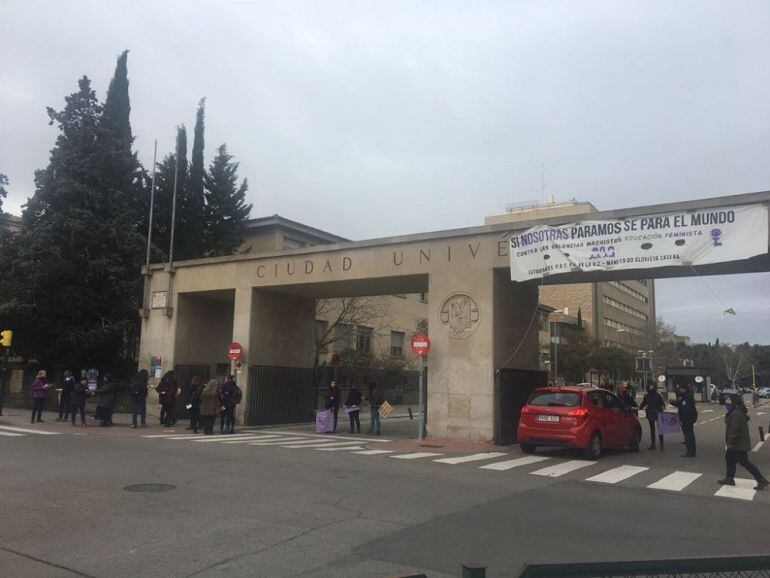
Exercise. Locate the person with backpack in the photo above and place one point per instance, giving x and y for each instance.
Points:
(229, 396)
(167, 391)
(194, 403)
(78, 401)
(139, 397)
(65, 397)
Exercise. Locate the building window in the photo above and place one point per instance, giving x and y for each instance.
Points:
(364, 339)
(626, 289)
(341, 341)
(321, 327)
(289, 243)
(623, 307)
(397, 343)
(618, 326)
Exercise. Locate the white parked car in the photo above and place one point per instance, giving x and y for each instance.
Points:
(763, 392)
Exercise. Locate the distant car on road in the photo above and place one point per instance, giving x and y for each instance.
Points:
(577, 417)
(763, 392)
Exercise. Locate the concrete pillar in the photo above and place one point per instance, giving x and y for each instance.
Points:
(243, 319)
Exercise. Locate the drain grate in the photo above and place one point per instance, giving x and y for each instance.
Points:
(150, 488)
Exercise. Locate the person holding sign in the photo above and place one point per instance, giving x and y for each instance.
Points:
(333, 402)
(375, 401)
(738, 443)
(353, 408)
(653, 403)
(39, 389)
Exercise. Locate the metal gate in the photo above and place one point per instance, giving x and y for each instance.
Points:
(280, 395)
(184, 375)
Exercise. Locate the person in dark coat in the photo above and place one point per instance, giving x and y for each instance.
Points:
(227, 403)
(167, 391)
(625, 393)
(78, 401)
(39, 389)
(738, 443)
(139, 397)
(209, 405)
(653, 403)
(333, 402)
(196, 388)
(105, 400)
(354, 399)
(65, 398)
(688, 415)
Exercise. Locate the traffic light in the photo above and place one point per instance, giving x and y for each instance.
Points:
(5, 337)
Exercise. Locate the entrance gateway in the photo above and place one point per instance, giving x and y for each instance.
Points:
(483, 342)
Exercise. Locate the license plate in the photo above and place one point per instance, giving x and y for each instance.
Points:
(549, 418)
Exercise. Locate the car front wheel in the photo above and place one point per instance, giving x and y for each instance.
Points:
(594, 449)
(527, 448)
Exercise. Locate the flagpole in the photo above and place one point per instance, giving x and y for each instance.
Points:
(173, 210)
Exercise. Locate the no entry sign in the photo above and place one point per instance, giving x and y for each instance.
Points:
(234, 350)
(420, 344)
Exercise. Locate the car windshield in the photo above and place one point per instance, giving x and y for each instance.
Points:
(555, 399)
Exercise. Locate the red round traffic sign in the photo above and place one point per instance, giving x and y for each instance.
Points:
(234, 350)
(420, 344)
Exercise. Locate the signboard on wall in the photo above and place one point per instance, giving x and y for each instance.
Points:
(159, 299)
(697, 237)
(156, 366)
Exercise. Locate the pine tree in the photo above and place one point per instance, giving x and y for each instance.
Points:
(226, 208)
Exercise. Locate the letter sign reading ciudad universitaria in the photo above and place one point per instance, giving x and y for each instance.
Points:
(692, 238)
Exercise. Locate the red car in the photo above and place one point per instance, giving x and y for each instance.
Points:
(578, 417)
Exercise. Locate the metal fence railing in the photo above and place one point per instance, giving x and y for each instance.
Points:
(280, 395)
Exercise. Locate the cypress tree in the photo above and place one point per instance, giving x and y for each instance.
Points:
(226, 207)
(77, 267)
(197, 170)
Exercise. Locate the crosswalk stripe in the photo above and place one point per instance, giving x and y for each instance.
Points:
(11, 434)
(316, 445)
(757, 446)
(675, 482)
(29, 431)
(416, 455)
(273, 442)
(164, 436)
(377, 439)
(310, 442)
(742, 490)
(251, 439)
(374, 452)
(471, 458)
(510, 464)
(618, 474)
(220, 439)
(338, 449)
(563, 468)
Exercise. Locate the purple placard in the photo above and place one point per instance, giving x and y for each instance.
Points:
(668, 422)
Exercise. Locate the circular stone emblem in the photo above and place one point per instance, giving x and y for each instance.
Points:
(459, 315)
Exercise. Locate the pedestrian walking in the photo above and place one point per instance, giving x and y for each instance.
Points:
(653, 403)
(78, 401)
(353, 400)
(167, 391)
(333, 402)
(194, 403)
(105, 401)
(375, 401)
(209, 405)
(688, 415)
(229, 396)
(65, 396)
(39, 389)
(738, 443)
(627, 395)
(139, 398)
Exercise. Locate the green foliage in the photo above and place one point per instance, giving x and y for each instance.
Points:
(574, 356)
(226, 207)
(3, 194)
(615, 362)
(74, 270)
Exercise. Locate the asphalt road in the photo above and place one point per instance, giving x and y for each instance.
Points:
(277, 510)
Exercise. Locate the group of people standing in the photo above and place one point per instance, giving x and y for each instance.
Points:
(352, 406)
(72, 398)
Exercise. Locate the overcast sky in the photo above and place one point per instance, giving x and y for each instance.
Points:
(371, 119)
